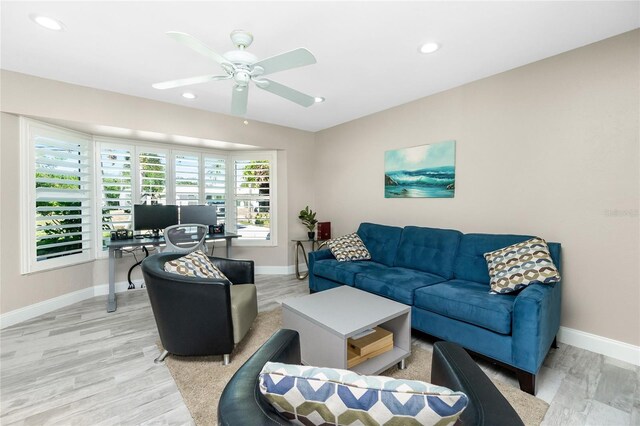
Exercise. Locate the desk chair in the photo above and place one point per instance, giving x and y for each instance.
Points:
(185, 238)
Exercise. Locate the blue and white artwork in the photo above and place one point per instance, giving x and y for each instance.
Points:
(425, 171)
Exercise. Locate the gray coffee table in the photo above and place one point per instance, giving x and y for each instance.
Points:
(325, 321)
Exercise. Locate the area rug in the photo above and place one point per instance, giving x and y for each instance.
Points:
(201, 380)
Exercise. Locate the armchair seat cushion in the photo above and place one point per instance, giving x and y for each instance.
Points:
(470, 302)
(398, 284)
(345, 272)
(244, 309)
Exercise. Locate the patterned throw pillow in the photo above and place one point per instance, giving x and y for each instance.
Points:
(195, 264)
(516, 266)
(348, 247)
(313, 396)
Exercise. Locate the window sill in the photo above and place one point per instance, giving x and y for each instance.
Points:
(44, 268)
(238, 242)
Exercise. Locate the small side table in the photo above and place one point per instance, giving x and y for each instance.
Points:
(315, 245)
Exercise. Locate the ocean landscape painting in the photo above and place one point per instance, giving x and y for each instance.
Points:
(425, 171)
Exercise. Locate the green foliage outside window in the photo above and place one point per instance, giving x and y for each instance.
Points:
(53, 227)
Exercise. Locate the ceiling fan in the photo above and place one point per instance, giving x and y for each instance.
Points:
(243, 67)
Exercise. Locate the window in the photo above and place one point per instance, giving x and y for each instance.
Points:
(187, 179)
(58, 195)
(153, 176)
(254, 178)
(116, 189)
(75, 195)
(215, 185)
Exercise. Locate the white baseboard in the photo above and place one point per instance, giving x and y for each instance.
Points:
(23, 314)
(28, 312)
(278, 270)
(103, 289)
(601, 345)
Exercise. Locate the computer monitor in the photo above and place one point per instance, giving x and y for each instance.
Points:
(154, 217)
(205, 215)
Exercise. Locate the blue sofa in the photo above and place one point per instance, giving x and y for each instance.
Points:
(443, 276)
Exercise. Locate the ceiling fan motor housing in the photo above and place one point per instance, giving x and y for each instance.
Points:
(241, 57)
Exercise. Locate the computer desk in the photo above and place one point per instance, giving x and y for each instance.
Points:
(119, 245)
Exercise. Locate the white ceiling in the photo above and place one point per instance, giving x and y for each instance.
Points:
(366, 51)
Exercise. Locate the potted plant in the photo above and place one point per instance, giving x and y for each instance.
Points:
(308, 219)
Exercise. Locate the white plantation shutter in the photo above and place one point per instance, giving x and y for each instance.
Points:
(215, 185)
(116, 189)
(59, 229)
(153, 176)
(252, 191)
(187, 179)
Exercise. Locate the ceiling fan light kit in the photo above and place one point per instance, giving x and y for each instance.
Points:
(244, 67)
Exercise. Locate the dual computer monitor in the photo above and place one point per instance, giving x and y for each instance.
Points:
(156, 217)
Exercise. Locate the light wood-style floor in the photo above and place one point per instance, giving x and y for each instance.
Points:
(80, 366)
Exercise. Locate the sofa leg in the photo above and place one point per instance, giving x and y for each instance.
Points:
(226, 360)
(402, 365)
(161, 357)
(527, 382)
(554, 344)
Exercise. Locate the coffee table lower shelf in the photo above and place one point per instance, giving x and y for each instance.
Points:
(382, 362)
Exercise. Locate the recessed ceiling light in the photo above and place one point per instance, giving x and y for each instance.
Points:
(429, 47)
(319, 99)
(189, 95)
(48, 23)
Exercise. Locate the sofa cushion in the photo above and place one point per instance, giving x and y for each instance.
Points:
(514, 267)
(428, 249)
(381, 241)
(396, 283)
(313, 396)
(469, 302)
(344, 272)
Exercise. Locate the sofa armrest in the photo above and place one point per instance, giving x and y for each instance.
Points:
(241, 402)
(536, 321)
(314, 256)
(320, 255)
(238, 271)
(453, 368)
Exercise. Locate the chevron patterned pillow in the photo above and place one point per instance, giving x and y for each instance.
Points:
(314, 396)
(195, 264)
(514, 267)
(348, 247)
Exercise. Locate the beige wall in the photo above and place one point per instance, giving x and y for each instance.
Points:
(548, 149)
(52, 100)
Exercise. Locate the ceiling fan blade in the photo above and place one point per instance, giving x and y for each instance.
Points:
(195, 44)
(188, 81)
(285, 61)
(287, 93)
(239, 100)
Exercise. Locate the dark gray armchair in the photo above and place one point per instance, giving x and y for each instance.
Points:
(200, 316)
